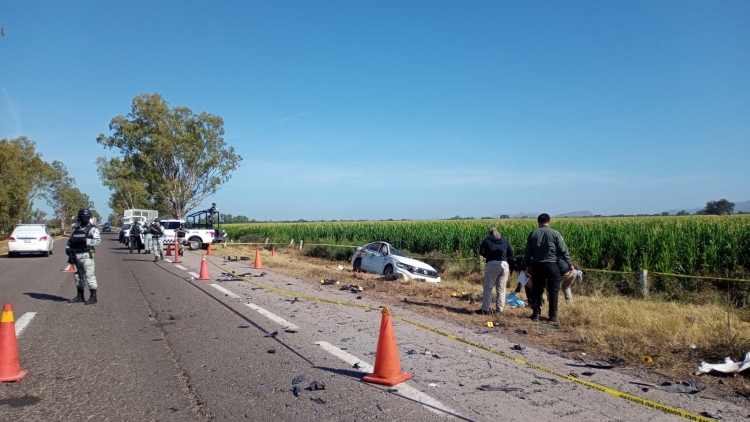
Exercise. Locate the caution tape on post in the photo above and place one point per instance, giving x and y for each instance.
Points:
(611, 391)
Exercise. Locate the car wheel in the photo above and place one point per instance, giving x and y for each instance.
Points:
(388, 270)
(195, 243)
(45, 253)
(11, 254)
(357, 266)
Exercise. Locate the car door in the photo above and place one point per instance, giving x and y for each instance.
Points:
(377, 261)
(368, 256)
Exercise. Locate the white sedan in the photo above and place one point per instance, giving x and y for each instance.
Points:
(30, 238)
(382, 258)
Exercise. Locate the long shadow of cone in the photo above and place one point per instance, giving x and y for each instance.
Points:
(387, 364)
(10, 367)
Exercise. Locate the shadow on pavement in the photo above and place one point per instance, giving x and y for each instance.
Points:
(435, 305)
(45, 296)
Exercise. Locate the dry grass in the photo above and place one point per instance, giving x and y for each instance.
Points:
(601, 326)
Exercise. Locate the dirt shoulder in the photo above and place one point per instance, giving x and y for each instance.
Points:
(456, 301)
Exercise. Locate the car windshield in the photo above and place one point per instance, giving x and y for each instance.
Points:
(171, 225)
(397, 252)
(125, 226)
(28, 229)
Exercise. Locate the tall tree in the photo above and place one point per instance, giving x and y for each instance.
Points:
(22, 178)
(181, 156)
(128, 191)
(720, 207)
(63, 197)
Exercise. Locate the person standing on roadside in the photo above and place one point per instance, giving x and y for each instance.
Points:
(157, 232)
(543, 248)
(135, 237)
(147, 236)
(81, 245)
(181, 233)
(496, 250)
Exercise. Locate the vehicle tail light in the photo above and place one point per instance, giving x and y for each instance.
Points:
(11, 239)
(43, 238)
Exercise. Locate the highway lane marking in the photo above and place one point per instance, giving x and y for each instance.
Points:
(168, 260)
(225, 291)
(404, 389)
(194, 275)
(180, 267)
(273, 317)
(22, 322)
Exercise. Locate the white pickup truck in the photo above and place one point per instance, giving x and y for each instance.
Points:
(194, 238)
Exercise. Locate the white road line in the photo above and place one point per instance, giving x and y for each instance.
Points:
(22, 322)
(167, 259)
(225, 291)
(277, 319)
(180, 267)
(195, 275)
(404, 389)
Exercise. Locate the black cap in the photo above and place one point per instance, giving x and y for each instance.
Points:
(84, 213)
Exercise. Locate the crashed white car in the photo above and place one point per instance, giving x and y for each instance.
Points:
(382, 258)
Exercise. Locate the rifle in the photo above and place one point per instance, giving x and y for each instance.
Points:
(73, 260)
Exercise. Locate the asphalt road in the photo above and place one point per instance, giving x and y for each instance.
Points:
(161, 347)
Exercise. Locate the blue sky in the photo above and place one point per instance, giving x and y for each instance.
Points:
(405, 109)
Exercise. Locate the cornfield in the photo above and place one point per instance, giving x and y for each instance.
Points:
(693, 245)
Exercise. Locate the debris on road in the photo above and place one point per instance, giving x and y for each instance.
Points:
(432, 384)
(317, 385)
(273, 334)
(328, 281)
(728, 367)
(243, 326)
(296, 390)
(710, 415)
(411, 352)
(521, 331)
(318, 400)
(272, 350)
(298, 379)
(506, 389)
(381, 408)
(518, 347)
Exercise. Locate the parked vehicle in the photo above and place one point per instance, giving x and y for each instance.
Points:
(195, 238)
(30, 239)
(106, 228)
(124, 233)
(382, 258)
(133, 215)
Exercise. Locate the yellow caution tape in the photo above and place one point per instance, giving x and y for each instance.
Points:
(611, 391)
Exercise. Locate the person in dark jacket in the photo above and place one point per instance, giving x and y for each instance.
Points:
(496, 250)
(544, 247)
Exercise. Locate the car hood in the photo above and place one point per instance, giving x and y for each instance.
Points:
(412, 262)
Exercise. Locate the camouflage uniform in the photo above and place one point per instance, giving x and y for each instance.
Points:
(157, 235)
(146, 236)
(81, 243)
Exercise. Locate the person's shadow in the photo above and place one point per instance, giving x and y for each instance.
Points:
(45, 296)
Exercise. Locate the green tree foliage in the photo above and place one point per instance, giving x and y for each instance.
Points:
(63, 197)
(22, 177)
(128, 191)
(229, 218)
(683, 212)
(720, 207)
(181, 157)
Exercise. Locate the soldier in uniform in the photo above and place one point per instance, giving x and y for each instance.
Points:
(157, 232)
(181, 232)
(135, 237)
(81, 243)
(147, 236)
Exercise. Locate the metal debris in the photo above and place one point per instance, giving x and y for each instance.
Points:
(243, 326)
(298, 379)
(518, 347)
(296, 390)
(273, 334)
(271, 350)
(728, 367)
(506, 389)
(318, 400)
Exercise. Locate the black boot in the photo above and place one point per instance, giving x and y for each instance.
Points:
(92, 298)
(78, 298)
(535, 312)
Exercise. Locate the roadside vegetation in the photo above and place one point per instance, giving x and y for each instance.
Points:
(688, 302)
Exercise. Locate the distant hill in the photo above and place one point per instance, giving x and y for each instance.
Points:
(576, 214)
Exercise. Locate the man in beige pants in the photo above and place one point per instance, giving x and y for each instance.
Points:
(496, 250)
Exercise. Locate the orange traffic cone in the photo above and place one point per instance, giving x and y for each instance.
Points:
(258, 262)
(10, 368)
(273, 252)
(387, 364)
(204, 270)
(169, 250)
(176, 248)
(69, 269)
(209, 251)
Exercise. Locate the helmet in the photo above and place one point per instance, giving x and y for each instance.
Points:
(157, 220)
(84, 213)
